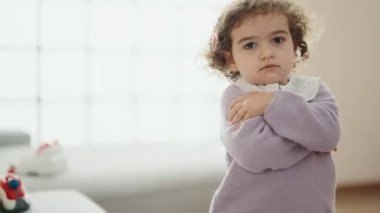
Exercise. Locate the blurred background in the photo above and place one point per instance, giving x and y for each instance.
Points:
(130, 73)
(99, 72)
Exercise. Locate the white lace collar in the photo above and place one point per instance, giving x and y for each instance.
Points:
(305, 86)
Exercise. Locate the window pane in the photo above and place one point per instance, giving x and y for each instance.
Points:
(112, 74)
(18, 74)
(63, 23)
(18, 22)
(132, 23)
(63, 75)
(154, 73)
(65, 122)
(155, 30)
(110, 23)
(192, 28)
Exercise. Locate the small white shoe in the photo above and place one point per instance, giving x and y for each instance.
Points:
(46, 161)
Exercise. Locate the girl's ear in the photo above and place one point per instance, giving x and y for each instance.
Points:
(230, 62)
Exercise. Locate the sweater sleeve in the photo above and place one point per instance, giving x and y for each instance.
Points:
(253, 144)
(313, 125)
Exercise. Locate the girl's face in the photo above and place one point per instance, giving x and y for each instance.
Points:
(262, 49)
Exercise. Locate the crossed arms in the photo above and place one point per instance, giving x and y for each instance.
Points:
(288, 130)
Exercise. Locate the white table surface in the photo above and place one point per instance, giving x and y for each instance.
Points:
(57, 201)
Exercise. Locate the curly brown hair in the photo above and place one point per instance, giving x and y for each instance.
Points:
(236, 11)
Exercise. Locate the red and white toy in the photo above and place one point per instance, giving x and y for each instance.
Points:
(12, 194)
(48, 159)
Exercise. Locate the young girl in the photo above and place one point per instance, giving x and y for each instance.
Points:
(279, 128)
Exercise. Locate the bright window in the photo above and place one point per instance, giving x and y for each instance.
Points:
(101, 72)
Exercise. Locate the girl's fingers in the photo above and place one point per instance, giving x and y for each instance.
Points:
(239, 116)
(235, 110)
(246, 116)
(235, 101)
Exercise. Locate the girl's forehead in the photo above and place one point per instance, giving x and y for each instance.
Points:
(257, 19)
(261, 24)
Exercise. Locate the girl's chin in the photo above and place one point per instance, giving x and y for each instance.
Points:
(281, 82)
(269, 78)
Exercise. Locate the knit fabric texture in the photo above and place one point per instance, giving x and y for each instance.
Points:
(281, 161)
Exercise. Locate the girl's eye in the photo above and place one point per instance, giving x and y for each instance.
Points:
(278, 40)
(250, 45)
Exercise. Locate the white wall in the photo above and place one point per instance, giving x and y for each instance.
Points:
(347, 58)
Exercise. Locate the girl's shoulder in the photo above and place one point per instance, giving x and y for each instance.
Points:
(316, 87)
(296, 78)
(310, 87)
(305, 86)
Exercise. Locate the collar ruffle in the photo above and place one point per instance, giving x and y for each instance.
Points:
(305, 86)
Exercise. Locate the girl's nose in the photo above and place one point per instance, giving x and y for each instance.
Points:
(266, 52)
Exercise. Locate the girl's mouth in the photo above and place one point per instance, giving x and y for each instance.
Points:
(268, 66)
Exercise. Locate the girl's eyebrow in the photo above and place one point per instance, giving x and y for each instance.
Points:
(270, 34)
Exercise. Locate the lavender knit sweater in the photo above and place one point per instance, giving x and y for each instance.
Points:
(280, 162)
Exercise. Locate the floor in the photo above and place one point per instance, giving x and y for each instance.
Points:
(364, 199)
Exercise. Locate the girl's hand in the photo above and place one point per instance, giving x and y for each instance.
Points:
(247, 106)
